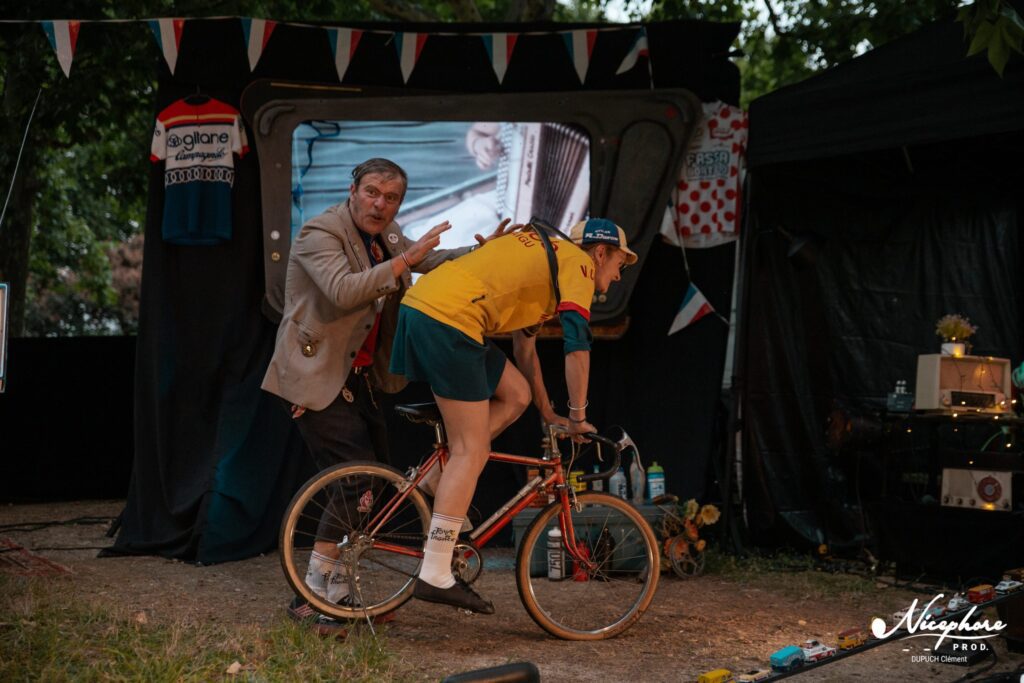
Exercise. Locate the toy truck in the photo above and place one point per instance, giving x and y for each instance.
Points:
(981, 593)
(851, 638)
(789, 657)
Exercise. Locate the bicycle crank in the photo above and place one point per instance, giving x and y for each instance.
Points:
(467, 562)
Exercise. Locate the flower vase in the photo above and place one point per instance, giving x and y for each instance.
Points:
(955, 349)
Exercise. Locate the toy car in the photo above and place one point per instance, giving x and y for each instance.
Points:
(935, 611)
(789, 657)
(1017, 574)
(814, 650)
(753, 676)
(851, 638)
(981, 593)
(956, 603)
(898, 615)
(1008, 586)
(716, 676)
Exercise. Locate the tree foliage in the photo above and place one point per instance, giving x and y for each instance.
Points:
(70, 242)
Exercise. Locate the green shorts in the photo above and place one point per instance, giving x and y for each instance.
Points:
(452, 363)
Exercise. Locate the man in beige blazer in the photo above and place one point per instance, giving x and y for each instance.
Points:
(347, 272)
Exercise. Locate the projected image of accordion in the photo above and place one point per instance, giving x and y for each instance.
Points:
(544, 172)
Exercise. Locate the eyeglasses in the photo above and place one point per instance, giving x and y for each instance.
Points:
(373, 193)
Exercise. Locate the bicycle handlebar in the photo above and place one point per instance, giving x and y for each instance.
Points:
(616, 448)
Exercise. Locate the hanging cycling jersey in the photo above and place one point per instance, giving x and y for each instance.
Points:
(197, 141)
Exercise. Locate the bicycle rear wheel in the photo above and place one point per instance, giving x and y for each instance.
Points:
(342, 505)
(618, 587)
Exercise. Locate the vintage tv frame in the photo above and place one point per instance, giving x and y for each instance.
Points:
(637, 143)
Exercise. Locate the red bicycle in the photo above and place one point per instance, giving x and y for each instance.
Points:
(378, 517)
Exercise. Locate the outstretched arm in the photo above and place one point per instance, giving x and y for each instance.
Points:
(524, 348)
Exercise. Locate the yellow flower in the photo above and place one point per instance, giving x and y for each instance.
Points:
(700, 545)
(709, 514)
(690, 509)
(954, 327)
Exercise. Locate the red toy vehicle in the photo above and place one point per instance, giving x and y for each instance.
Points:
(981, 593)
(814, 650)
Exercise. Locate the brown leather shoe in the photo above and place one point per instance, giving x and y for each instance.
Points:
(460, 595)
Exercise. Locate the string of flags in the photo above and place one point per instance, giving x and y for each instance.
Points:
(63, 37)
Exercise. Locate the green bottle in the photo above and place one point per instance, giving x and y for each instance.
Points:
(655, 480)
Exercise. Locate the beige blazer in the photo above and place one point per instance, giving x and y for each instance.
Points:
(331, 298)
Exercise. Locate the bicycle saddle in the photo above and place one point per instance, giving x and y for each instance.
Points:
(419, 412)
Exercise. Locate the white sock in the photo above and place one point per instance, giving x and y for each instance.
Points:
(337, 583)
(437, 553)
(318, 573)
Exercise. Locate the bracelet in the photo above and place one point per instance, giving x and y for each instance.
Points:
(582, 407)
(407, 264)
(577, 421)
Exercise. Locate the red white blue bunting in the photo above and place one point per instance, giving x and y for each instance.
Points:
(636, 51)
(409, 46)
(257, 34)
(694, 307)
(63, 36)
(343, 46)
(168, 37)
(499, 50)
(580, 45)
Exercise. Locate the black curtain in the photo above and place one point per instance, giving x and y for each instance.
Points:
(852, 262)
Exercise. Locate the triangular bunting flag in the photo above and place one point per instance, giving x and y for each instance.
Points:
(168, 38)
(580, 44)
(257, 33)
(639, 49)
(499, 50)
(63, 37)
(409, 46)
(343, 45)
(695, 306)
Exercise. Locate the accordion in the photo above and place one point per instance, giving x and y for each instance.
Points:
(544, 173)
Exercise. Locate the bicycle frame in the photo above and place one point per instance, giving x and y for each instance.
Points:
(499, 520)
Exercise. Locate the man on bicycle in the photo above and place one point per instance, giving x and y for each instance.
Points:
(504, 286)
(347, 271)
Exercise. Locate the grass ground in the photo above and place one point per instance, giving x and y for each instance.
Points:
(47, 633)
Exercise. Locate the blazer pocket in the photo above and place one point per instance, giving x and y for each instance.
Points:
(308, 338)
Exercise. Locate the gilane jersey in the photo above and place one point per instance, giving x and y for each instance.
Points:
(505, 286)
(197, 141)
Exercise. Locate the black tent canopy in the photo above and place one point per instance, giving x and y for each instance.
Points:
(883, 194)
(916, 90)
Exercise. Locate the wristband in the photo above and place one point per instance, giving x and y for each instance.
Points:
(407, 264)
(577, 421)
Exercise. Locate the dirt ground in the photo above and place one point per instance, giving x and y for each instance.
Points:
(694, 625)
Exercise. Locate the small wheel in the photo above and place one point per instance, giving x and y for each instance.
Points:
(686, 560)
(608, 594)
(467, 562)
(380, 541)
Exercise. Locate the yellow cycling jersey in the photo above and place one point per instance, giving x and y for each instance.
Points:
(504, 286)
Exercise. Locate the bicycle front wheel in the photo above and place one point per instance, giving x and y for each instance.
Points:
(599, 599)
(355, 508)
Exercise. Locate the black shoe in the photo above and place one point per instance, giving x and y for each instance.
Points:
(299, 610)
(460, 595)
